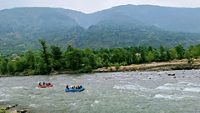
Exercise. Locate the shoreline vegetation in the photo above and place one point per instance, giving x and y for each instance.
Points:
(52, 59)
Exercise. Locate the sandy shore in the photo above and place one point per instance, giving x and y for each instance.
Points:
(154, 66)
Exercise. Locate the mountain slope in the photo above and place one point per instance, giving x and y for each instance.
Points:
(111, 35)
(22, 27)
(167, 18)
(129, 25)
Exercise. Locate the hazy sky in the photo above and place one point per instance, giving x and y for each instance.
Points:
(89, 6)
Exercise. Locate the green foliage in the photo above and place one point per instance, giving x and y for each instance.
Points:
(45, 56)
(30, 59)
(180, 51)
(74, 59)
(20, 64)
(85, 60)
(11, 67)
(117, 66)
(56, 53)
(3, 66)
(57, 61)
(150, 56)
(173, 54)
(123, 26)
(190, 60)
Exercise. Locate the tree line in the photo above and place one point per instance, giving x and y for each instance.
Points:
(52, 59)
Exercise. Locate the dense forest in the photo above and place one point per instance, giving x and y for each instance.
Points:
(122, 26)
(51, 59)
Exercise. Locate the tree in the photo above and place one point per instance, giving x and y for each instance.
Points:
(11, 67)
(173, 54)
(70, 48)
(180, 51)
(163, 54)
(143, 57)
(150, 56)
(20, 64)
(88, 54)
(3, 66)
(75, 59)
(30, 58)
(45, 56)
(56, 54)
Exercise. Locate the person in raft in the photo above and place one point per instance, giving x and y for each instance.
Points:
(67, 87)
(48, 84)
(40, 84)
(74, 87)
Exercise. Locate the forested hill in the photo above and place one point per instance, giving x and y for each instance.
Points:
(167, 18)
(122, 26)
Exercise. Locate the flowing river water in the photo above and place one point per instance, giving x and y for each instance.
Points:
(121, 92)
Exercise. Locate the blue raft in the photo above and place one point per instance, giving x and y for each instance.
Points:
(74, 89)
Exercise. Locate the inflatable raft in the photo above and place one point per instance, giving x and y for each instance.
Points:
(74, 89)
(45, 86)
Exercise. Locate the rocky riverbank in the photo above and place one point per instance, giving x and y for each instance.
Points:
(12, 109)
(154, 66)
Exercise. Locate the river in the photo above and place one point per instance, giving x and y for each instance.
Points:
(120, 92)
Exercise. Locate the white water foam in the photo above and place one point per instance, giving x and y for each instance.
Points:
(19, 87)
(33, 105)
(183, 82)
(194, 89)
(73, 104)
(4, 100)
(96, 101)
(168, 84)
(193, 84)
(92, 105)
(4, 95)
(171, 97)
(169, 88)
(130, 87)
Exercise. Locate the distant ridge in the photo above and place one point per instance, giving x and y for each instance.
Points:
(120, 26)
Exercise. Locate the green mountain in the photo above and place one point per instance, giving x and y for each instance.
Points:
(122, 26)
(21, 28)
(110, 34)
(167, 18)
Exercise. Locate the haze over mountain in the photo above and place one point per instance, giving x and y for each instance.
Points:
(168, 18)
(128, 25)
